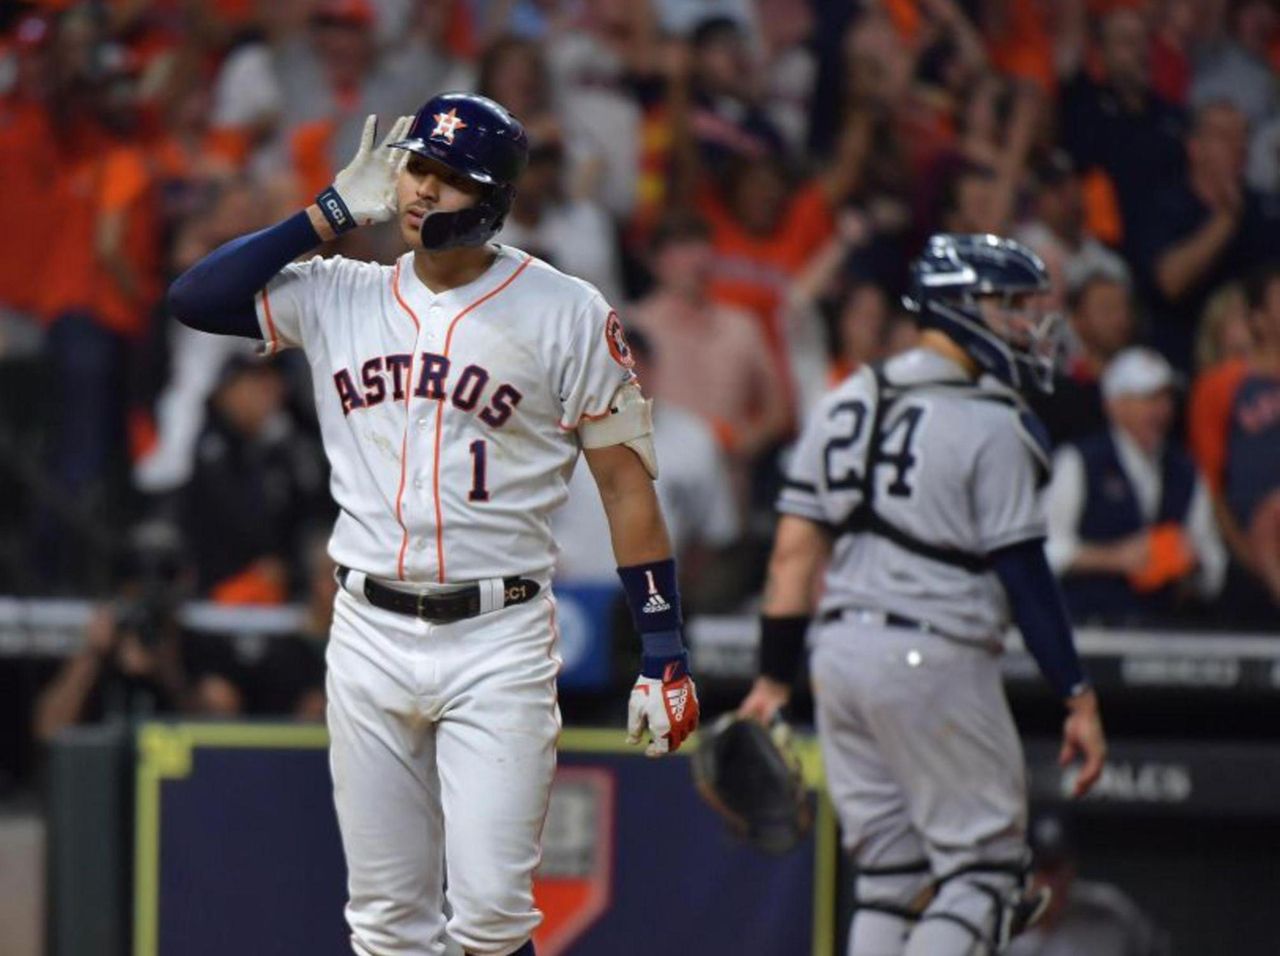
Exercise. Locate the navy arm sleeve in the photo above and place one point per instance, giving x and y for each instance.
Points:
(1040, 613)
(216, 294)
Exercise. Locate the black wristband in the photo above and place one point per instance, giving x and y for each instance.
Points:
(782, 646)
(335, 211)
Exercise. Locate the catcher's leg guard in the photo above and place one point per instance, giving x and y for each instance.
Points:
(976, 911)
(887, 901)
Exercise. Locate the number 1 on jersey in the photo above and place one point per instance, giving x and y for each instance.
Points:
(479, 471)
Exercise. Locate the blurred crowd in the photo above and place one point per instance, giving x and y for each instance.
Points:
(747, 180)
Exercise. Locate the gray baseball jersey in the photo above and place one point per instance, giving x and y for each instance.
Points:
(957, 471)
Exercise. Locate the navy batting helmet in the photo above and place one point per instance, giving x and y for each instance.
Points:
(952, 275)
(476, 138)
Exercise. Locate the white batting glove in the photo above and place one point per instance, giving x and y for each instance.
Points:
(667, 708)
(365, 191)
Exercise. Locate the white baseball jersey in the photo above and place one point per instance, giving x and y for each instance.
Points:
(958, 470)
(449, 418)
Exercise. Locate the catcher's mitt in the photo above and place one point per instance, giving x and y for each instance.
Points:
(752, 777)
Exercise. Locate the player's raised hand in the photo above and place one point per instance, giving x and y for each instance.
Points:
(1082, 737)
(367, 185)
(666, 707)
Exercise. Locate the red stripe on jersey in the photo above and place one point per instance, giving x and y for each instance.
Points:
(404, 441)
(448, 341)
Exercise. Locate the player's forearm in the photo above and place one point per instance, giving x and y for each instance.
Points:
(799, 553)
(636, 526)
(217, 293)
(631, 506)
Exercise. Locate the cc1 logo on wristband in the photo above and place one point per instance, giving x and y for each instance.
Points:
(335, 211)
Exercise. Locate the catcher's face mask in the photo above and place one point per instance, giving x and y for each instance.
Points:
(751, 776)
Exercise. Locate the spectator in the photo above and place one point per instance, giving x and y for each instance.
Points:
(763, 229)
(1235, 437)
(573, 233)
(289, 677)
(256, 487)
(1236, 68)
(311, 84)
(513, 72)
(728, 119)
(1057, 230)
(100, 285)
(693, 485)
(1101, 325)
(788, 68)
(137, 661)
(1202, 230)
(1224, 332)
(234, 208)
(1116, 122)
(1177, 24)
(1131, 528)
(981, 179)
(862, 312)
(595, 61)
(711, 358)
(27, 155)
(1083, 917)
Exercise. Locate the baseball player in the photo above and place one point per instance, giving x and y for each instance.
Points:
(455, 389)
(916, 484)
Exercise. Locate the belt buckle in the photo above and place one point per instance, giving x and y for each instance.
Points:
(420, 608)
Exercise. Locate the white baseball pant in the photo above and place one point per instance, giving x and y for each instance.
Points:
(442, 751)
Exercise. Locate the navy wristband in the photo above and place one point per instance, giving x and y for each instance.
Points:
(662, 649)
(652, 595)
(335, 211)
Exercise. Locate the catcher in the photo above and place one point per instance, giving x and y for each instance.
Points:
(916, 484)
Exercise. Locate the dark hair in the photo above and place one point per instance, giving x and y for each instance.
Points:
(678, 225)
(1077, 292)
(1257, 282)
(712, 30)
(501, 48)
(949, 195)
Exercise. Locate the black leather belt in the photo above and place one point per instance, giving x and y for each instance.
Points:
(441, 608)
(888, 618)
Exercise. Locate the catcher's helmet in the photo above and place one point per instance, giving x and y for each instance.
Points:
(954, 272)
(752, 777)
(477, 138)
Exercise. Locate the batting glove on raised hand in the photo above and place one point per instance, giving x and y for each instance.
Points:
(666, 706)
(365, 191)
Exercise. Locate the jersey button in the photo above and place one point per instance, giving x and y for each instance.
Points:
(419, 483)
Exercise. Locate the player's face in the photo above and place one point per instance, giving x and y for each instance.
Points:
(1015, 318)
(426, 186)
(1026, 322)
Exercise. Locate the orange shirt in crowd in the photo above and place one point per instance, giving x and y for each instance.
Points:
(221, 152)
(309, 145)
(754, 272)
(1209, 418)
(1024, 47)
(117, 178)
(28, 158)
